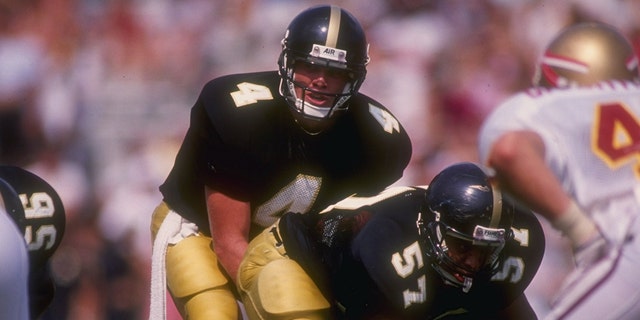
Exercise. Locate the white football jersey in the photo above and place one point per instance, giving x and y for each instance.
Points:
(14, 270)
(592, 143)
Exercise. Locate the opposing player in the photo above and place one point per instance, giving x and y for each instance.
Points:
(569, 148)
(261, 144)
(455, 248)
(36, 209)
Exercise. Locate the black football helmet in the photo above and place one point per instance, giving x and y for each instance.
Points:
(326, 36)
(470, 213)
(37, 210)
(585, 54)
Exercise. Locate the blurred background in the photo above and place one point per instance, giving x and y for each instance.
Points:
(95, 98)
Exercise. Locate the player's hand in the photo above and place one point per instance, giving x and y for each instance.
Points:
(591, 251)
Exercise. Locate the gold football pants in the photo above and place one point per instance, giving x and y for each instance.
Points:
(199, 288)
(272, 286)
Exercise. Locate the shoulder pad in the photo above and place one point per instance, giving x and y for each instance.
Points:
(526, 246)
(240, 106)
(37, 210)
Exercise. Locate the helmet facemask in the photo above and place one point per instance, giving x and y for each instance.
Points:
(302, 108)
(330, 38)
(446, 242)
(469, 226)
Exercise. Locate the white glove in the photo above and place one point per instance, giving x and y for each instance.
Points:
(587, 241)
(591, 252)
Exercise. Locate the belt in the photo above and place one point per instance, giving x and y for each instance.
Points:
(277, 243)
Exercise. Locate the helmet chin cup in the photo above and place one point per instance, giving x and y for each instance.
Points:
(313, 119)
(466, 286)
(312, 111)
(448, 275)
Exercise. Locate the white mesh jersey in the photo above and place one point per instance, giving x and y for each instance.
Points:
(592, 143)
(14, 270)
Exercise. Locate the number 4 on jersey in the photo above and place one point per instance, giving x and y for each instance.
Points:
(250, 93)
(616, 136)
(386, 120)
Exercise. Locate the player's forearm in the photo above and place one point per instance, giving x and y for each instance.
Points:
(230, 255)
(518, 159)
(229, 246)
(229, 221)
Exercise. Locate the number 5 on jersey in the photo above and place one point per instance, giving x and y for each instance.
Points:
(405, 264)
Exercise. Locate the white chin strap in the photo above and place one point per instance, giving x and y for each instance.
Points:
(466, 286)
(311, 110)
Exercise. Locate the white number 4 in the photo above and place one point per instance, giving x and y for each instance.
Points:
(386, 120)
(250, 93)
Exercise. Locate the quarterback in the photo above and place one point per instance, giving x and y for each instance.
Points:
(261, 144)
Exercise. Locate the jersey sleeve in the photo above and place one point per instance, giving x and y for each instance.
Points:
(514, 113)
(226, 136)
(220, 163)
(388, 144)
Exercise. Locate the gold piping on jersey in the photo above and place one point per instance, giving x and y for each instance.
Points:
(334, 27)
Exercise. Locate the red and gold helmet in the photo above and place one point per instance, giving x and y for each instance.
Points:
(585, 54)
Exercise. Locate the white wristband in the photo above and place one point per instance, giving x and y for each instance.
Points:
(575, 224)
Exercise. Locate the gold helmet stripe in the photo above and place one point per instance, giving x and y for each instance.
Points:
(496, 215)
(334, 27)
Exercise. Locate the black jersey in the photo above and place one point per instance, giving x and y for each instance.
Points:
(366, 254)
(243, 142)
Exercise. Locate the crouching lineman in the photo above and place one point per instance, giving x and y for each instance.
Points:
(458, 248)
(33, 209)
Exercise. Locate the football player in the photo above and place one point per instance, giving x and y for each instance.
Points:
(14, 264)
(455, 248)
(261, 144)
(37, 211)
(568, 148)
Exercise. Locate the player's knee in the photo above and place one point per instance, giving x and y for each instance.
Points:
(260, 253)
(215, 303)
(195, 281)
(284, 291)
(192, 267)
